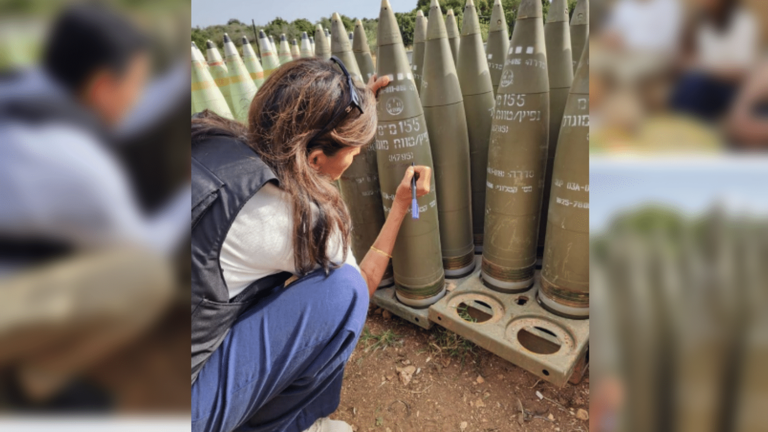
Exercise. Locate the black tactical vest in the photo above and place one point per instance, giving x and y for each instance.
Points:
(226, 173)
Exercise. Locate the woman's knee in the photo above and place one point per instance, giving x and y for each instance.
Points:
(343, 292)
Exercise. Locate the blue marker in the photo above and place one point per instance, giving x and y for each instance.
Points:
(414, 203)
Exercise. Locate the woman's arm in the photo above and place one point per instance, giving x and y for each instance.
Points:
(375, 262)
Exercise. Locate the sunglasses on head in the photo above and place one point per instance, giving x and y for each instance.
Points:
(353, 103)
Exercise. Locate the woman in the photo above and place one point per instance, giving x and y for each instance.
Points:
(722, 47)
(278, 300)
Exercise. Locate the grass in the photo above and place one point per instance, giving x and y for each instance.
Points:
(445, 342)
(374, 342)
(464, 313)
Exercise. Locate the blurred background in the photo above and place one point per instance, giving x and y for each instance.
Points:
(679, 215)
(94, 220)
(679, 75)
(679, 294)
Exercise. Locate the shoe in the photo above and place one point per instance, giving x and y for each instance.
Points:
(327, 425)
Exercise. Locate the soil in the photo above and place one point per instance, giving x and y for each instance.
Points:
(456, 386)
(147, 376)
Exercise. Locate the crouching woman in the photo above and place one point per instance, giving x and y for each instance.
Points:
(278, 300)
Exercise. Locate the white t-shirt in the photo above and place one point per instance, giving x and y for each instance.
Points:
(734, 46)
(260, 241)
(647, 25)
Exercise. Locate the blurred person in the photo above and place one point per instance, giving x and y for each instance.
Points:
(720, 48)
(82, 268)
(278, 300)
(748, 119)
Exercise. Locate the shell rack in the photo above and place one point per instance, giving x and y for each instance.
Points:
(513, 326)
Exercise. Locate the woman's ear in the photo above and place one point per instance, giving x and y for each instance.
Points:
(317, 159)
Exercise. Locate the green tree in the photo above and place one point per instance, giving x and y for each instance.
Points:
(278, 22)
(233, 21)
(407, 23)
(371, 27)
(199, 36)
(349, 23)
(303, 25)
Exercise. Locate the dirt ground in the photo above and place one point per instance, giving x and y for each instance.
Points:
(456, 386)
(149, 376)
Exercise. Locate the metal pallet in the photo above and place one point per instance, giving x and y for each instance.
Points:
(513, 326)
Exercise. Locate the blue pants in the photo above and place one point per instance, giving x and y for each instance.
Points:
(281, 365)
(703, 96)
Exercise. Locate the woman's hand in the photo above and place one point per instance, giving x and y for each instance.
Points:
(375, 262)
(376, 83)
(403, 196)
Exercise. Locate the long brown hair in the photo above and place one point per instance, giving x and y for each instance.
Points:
(295, 103)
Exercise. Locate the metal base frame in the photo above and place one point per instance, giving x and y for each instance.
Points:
(385, 299)
(513, 326)
(516, 328)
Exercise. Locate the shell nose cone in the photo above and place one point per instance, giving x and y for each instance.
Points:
(529, 9)
(226, 38)
(558, 11)
(471, 23)
(282, 38)
(208, 44)
(262, 34)
(389, 31)
(304, 35)
(436, 26)
(581, 13)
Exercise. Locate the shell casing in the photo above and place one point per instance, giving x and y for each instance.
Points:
(565, 268)
(477, 92)
(341, 48)
(205, 92)
(241, 86)
(419, 37)
(517, 157)
(284, 51)
(441, 99)
(453, 34)
(359, 185)
(269, 59)
(363, 52)
(219, 72)
(558, 41)
(402, 139)
(579, 30)
(497, 44)
(306, 47)
(322, 46)
(252, 63)
(295, 53)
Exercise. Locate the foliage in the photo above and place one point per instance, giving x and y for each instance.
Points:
(407, 24)
(303, 25)
(406, 21)
(445, 342)
(382, 341)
